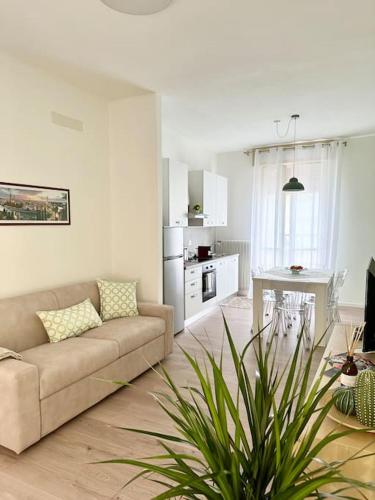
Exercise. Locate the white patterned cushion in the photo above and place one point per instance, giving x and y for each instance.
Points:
(117, 300)
(70, 322)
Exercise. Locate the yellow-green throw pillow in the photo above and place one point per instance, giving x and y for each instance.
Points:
(117, 300)
(70, 322)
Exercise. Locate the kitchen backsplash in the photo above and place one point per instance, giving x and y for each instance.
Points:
(199, 236)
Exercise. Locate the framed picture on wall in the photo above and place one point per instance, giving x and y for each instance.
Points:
(22, 204)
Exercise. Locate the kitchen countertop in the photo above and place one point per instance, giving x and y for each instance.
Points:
(194, 263)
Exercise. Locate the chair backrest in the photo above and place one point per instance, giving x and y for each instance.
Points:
(337, 283)
(279, 298)
(340, 278)
(257, 271)
(294, 301)
(21, 328)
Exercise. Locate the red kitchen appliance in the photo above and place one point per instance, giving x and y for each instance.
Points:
(204, 252)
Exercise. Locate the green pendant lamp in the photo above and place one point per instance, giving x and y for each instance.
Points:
(294, 184)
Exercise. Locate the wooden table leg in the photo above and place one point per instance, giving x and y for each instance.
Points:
(257, 306)
(321, 315)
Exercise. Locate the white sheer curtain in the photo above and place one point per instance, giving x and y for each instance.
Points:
(296, 228)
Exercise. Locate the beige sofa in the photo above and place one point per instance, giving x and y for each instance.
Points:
(56, 382)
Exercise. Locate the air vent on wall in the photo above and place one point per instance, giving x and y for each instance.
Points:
(66, 121)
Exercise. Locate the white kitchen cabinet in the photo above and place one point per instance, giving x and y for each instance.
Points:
(232, 274)
(221, 279)
(226, 285)
(193, 291)
(209, 198)
(192, 273)
(210, 192)
(193, 285)
(221, 200)
(226, 277)
(175, 193)
(193, 303)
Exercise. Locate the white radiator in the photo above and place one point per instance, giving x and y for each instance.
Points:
(242, 247)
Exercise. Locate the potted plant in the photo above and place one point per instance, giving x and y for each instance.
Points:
(256, 444)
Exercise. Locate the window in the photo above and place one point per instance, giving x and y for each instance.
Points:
(295, 228)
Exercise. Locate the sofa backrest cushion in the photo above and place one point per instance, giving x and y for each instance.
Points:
(74, 294)
(20, 327)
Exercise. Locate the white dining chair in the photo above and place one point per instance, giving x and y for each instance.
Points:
(268, 295)
(334, 295)
(288, 309)
(337, 282)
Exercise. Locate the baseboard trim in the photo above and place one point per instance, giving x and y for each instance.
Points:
(355, 305)
(207, 309)
(200, 315)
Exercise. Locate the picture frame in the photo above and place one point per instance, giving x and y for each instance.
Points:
(30, 205)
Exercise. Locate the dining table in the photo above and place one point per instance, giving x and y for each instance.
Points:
(309, 281)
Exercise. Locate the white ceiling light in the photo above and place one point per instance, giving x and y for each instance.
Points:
(138, 7)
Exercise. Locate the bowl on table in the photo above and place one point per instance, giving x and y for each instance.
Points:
(295, 269)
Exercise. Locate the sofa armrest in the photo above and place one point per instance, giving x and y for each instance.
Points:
(20, 405)
(164, 312)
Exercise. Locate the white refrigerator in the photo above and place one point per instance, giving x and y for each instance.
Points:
(173, 274)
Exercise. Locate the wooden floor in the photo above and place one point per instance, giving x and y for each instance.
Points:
(61, 465)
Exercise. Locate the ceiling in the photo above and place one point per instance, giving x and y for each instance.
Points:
(225, 68)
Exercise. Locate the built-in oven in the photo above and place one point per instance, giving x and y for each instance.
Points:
(208, 282)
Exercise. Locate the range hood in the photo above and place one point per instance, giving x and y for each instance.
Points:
(198, 216)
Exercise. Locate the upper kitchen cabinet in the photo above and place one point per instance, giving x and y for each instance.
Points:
(209, 191)
(175, 193)
(221, 200)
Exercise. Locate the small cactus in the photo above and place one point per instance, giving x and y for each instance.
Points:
(344, 400)
(365, 398)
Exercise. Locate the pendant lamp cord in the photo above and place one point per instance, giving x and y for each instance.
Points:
(278, 133)
(294, 149)
(292, 118)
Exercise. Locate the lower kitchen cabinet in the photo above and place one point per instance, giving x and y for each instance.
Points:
(221, 279)
(193, 303)
(226, 277)
(193, 291)
(226, 285)
(232, 275)
(193, 285)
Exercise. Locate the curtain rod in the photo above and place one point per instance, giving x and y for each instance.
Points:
(248, 152)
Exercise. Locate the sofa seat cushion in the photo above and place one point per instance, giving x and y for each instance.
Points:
(64, 363)
(129, 333)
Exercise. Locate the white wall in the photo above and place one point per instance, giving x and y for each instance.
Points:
(196, 236)
(186, 150)
(115, 188)
(35, 151)
(357, 216)
(134, 131)
(236, 166)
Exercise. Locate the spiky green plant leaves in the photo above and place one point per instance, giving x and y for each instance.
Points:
(259, 443)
